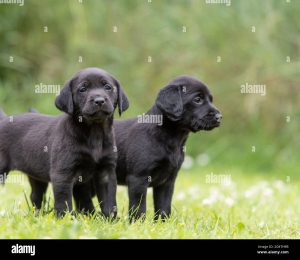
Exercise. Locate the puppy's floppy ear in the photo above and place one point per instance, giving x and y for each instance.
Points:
(123, 102)
(64, 101)
(169, 101)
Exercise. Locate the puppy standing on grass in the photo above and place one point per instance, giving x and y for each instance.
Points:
(151, 154)
(68, 150)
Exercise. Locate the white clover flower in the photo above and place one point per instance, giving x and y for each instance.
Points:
(261, 224)
(188, 162)
(203, 159)
(229, 201)
(207, 201)
(181, 196)
(267, 193)
(279, 185)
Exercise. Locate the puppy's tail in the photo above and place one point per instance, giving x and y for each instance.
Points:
(2, 114)
(32, 110)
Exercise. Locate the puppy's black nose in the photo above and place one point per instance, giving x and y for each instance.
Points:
(218, 117)
(99, 101)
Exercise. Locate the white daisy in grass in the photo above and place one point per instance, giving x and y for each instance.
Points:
(207, 201)
(180, 196)
(255, 189)
(261, 224)
(215, 194)
(251, 192)
(203, 159)
(279, 185)
(229, 201)
(2, 212)
(267, 193)
(188, 162)
(194, 191)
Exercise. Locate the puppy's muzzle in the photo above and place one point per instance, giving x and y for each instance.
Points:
(99, 101)
(97, 107)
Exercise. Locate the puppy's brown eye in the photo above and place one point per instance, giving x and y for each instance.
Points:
(83, 89)
(107, 87)
(197, 100)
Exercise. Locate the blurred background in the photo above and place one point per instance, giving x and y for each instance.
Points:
(255, 42)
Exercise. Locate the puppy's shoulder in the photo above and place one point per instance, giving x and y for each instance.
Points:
(125, 122)
(29, 119)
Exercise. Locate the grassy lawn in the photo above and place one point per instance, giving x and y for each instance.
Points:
(249, 206)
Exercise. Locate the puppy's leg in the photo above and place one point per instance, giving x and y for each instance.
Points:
(162, 196)
(38, 190)
(83, 198)
(63, 192)
(106, 189)
(137, 191)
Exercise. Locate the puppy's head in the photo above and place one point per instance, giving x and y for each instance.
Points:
(188, 101)
(93, 94)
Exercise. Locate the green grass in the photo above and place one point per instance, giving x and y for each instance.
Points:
(252, 206)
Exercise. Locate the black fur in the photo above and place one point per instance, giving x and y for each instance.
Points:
(150, 155)
(68, 150)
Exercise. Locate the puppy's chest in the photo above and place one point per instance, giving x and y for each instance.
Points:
(165, 168)
(175, 159)
(174, 155)
(96, 151)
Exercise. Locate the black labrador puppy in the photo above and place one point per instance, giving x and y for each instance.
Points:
(151, 147)
(68, 150)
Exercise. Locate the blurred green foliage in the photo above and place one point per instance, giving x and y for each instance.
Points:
(85, 29)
